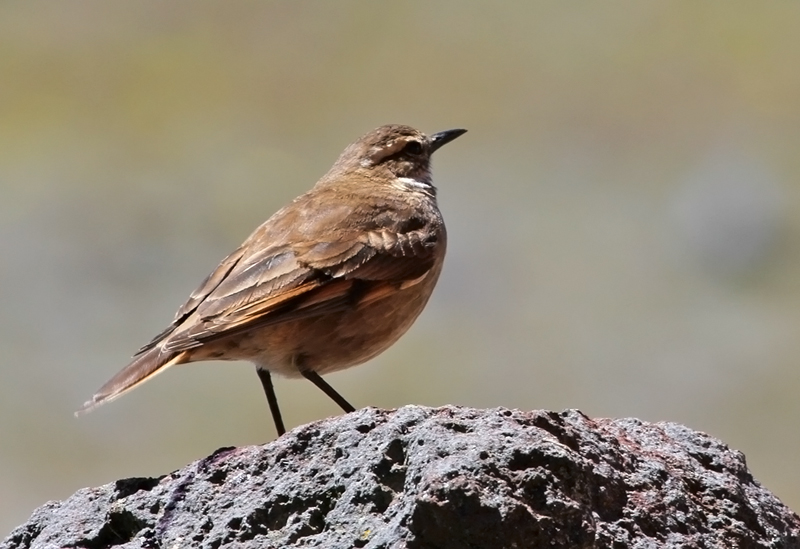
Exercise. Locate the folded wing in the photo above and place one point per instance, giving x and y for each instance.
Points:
(306, 279)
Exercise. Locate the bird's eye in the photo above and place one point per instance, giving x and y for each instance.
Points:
(413, 147)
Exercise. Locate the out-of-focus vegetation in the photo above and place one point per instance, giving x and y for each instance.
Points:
(623, 214)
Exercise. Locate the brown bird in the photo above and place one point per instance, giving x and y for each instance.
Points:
(328, 282)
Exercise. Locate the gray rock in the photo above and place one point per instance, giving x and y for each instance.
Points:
(438, 478)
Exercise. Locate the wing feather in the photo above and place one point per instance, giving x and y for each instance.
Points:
(287, 282)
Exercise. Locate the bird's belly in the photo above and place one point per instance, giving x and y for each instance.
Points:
(335, 341)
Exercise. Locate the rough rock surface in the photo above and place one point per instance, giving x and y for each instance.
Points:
(438, 478)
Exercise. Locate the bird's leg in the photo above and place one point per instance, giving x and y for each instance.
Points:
(269, 390)
(317, 380)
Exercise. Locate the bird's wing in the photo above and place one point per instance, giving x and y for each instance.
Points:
(206, 287)
(304, 279)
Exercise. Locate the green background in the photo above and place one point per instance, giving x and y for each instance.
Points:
(623, 214)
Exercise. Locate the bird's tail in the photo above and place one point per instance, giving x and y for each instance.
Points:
(143, 367)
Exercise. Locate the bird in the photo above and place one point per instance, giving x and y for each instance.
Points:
(329, 281)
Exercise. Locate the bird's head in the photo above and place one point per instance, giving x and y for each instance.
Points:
(393, 152)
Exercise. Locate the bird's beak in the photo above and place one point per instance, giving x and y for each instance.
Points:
(442, 138)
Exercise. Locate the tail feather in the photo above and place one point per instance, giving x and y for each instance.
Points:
(142, 368)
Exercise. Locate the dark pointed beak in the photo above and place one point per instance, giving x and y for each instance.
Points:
(442, 138)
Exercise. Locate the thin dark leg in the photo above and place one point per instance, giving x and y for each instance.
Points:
(269, 390)
(315, 378)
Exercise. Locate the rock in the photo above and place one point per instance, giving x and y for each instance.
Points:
(438, 478)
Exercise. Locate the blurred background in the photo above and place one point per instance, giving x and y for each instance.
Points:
(623, 214)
